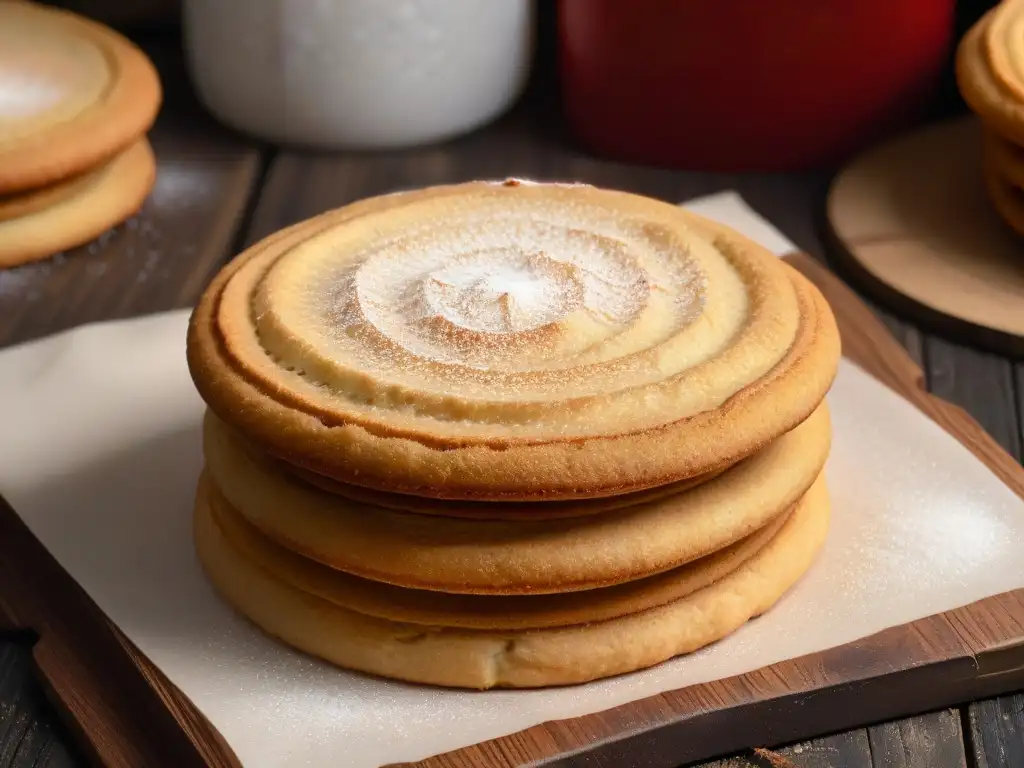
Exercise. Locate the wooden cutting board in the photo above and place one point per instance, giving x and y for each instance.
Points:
(913, 226)
(126, 714)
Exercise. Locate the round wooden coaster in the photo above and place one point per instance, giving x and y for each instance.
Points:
(914, 225)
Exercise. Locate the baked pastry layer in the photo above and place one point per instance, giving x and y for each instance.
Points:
(483, 659)
(417, 606)
(512, 341)
(487, 510)
(22, 204)
(521, 556)
(97, 202)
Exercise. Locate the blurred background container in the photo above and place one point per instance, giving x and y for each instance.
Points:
(358, 73)
(740, 85)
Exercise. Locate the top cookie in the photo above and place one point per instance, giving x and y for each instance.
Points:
(503, 341)
(72, 94)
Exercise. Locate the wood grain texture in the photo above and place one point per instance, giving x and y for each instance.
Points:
(843, 750)
(28, 736)
(979, 380)
(997, 732)
(929, 741)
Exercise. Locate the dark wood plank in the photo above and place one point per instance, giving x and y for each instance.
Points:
(909, 337)
(928, 741)
(30, 737)
(997, 732)
(161, 258)
(844, 750)
(980, 382)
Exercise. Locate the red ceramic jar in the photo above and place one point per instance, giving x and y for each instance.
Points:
(747, 84)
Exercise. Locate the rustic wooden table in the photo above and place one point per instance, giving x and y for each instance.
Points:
(218, 191)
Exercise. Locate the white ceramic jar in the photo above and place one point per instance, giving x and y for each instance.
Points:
(358, 73)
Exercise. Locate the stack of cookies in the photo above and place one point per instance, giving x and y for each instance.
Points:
(76, 102)
(990, 75)
(509, 434)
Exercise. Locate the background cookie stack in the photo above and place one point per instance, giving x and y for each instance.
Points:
(76, 101)
(509, 434)
(990, 74)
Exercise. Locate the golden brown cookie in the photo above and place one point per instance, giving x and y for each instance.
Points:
(417, 606)
(989, 69)
(21, 204)
(106, 198)
(485, 510)
(482, 659)
(73, 94)
(519, 557)
(511, 341)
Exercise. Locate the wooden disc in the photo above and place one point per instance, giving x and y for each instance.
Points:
(915, 226)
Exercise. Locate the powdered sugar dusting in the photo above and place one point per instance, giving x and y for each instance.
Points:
(509, 295)
(494, 278)
(503, 292)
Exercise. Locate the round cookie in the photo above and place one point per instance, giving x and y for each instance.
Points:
(515, 659)
(73, 94)
(519, 557)
(988, 70)
(108, 196)
(17, 205)
(511, 341)
(416, 606)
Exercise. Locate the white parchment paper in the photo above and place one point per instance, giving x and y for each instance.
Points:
(100, 451)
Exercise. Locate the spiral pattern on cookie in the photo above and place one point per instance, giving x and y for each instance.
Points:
(507, 313)
(375, 342)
